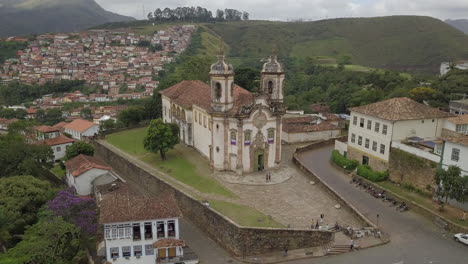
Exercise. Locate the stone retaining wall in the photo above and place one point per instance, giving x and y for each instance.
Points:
(319, 144)
(237, 240)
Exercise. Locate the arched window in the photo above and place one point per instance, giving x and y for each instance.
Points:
(178, 113)
(218, 91)
(270, 87)
(183, 114)
(232, 89)
(233, 137)
(271, 135)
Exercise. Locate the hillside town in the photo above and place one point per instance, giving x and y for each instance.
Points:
(200, 137)
(104, 58)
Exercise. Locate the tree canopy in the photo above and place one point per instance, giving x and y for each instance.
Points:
(196, 14)
(78, 148)
(161, 137)
(451, 185)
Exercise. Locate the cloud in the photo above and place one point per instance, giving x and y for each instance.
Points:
(303, 9)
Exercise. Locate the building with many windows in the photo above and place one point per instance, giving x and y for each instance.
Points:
(233, 128)
(455, 153)
(140, 229)
(375, 128)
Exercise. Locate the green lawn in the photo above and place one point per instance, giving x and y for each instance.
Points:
(176, 165)
(244, 215)
(450, 212)
(58, 171)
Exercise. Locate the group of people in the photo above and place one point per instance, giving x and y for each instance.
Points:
(319, 224)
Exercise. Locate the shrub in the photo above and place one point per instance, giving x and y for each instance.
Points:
(375, 176)
(343, 162)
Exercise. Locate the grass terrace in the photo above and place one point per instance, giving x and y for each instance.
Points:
(177, 164)
(244, 215)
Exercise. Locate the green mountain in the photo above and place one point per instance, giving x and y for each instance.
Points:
(404, 43)
(461, 24)
(20, 17)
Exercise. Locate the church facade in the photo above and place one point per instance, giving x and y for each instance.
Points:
(234, 129)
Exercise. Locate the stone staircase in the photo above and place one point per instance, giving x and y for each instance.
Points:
(337, 249)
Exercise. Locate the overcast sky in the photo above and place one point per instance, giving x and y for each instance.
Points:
(305, 9)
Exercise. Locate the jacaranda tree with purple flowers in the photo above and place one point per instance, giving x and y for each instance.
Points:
(80, 211)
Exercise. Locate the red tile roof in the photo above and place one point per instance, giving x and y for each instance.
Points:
(5, 121)
(56, 141)
(459, 120)
(80, 125)
(169, 243)
(60, 125)
(46, 129)
(402, 108)
(304, 128)
(189, 93)
(462, 140)
(83, 163)
(31, 111)
(119, 203)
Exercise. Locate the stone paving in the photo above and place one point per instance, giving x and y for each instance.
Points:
(289, 198)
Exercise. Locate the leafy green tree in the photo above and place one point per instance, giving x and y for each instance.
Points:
(50, 118)
(19, 158)
(421, 94)
(247, 78)
(451, 184)
(21, 197)
(108, 124)
(51, 240)
(86, 113)
(78, 148)
(22, 127)
(161, 137)
(132, 115)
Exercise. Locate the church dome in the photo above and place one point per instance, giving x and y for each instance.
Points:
(272, 66)
(221, 67)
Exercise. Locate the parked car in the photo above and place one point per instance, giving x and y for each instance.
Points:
(463, 238)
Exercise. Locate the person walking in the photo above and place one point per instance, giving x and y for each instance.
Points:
(266, 177)
(312, 224)
(351, 246)
(317, 225)
(321, 218)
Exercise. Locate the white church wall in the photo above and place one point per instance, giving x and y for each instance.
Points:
(201, 134)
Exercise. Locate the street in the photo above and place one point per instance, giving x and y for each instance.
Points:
(414, 238)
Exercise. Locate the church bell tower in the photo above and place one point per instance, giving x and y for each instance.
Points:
(272, 80)
(222, 85)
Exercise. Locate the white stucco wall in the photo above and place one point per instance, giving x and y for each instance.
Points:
(462, 163)
(450, 126)
(128, 241)
(423, 128)
(60, 150)
(94, 130)
(201, 133)
(84, 182)
(310, 136)
(416, 151)
(342, 147)
(370, 134)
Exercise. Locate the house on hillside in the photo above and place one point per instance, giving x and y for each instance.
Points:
(46, 132)
(85, 172)
(140, 229)
(80, 128)
(378, 127)
(457, 124)
(58, 145)
(4, 123)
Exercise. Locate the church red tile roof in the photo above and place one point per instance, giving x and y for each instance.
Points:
(169, 243)
(79, 125)
(83, 163)
(60, 125)
(402, 108)
(119, 203)
(189, 93)
(56, 141)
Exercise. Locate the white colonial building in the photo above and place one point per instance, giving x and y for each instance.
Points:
(455, 153)
(58, 145)
(85, 172)
(80, 128)
(233, 128)
(140, 229)
(376, 128)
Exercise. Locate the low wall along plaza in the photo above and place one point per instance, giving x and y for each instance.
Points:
(237, 240)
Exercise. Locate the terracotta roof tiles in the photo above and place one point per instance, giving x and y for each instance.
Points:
(459, 120)
(83, 163)
(119, 203)
(46, 129)
(56, 141)
(402, 108)
(79, 125)
(305, 128)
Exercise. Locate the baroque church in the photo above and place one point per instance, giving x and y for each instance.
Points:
(234, 129)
